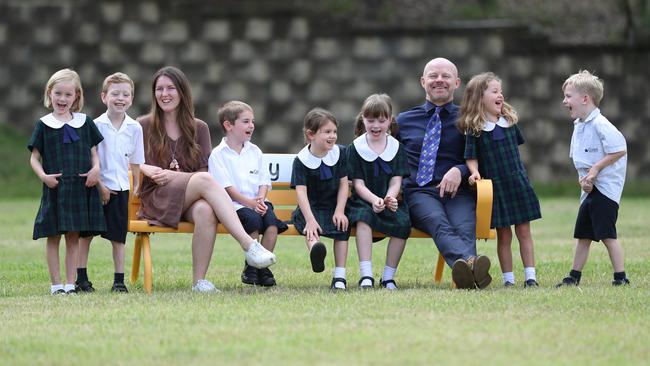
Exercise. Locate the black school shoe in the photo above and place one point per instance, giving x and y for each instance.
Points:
(265, 277)
(249, 275)
(621, 282)
(531, 283)
(367, 287)
(317, 256)
(84, 286)
(119, 287)
(383, 283)
(568, 281)
(341, 280)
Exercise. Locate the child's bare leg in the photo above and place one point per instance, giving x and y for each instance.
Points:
(52, 256)
(525, 239)
(270, 237)
(582, 253)
(71, 246)
(340, 253)
(364, 241)
(394, 251)
(364, 251)
(504, 248)
(83, 251)
(616, 254)
(118, 256)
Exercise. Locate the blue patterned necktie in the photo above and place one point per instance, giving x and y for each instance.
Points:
(429, 152)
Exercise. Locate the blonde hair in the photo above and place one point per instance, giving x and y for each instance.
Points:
(63, 76)
(117, 78)
(375, 106)
(315, 119)
(230, 112)
(586, 83)
(472, 113)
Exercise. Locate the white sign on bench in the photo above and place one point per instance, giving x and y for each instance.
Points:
(280, 166)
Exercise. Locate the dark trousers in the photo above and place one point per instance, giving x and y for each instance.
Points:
(451, 222)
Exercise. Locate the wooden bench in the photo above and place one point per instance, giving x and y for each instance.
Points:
(284, 200)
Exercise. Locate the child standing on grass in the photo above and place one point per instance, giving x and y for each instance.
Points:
(64, 157)
(122, 148)
(320, 178)
(492, 151)
(237, 165)
(376, 165)
(599, 153)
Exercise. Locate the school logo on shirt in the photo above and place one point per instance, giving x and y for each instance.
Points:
(254, 172)
(591, 150)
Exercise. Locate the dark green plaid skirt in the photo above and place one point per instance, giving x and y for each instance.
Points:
(324, 219)
(393, 224)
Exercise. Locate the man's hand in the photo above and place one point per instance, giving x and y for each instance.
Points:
(450, 183)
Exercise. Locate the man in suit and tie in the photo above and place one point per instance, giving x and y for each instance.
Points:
(437, 192)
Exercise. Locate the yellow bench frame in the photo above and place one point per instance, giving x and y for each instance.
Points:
(281, 195)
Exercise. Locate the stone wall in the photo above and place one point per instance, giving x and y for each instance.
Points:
(283, 64)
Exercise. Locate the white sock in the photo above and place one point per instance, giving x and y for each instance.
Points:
(55, 288)
(389, 274)
(508, 277)
(365, 267)
(68, 287)
(529, 273)
(339, 272)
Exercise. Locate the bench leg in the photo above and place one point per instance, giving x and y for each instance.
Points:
(137, 253)
(146, 253)
(440, 266)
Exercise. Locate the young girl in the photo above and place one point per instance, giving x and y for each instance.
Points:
(377, 163)
(491, 150)
(64, 156)
(319, 176)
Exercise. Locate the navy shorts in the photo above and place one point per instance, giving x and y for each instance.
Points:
(253, 221)
(116, 212)
(597, 217)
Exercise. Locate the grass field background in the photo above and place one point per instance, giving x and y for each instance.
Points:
(301, 322)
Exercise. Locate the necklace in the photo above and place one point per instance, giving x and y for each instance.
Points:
(174, 164)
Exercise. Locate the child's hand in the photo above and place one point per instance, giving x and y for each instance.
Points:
(586, 185)
(391, 203)
(378, 206)
(260, 206)
(92, 176)
(473, 178)
(341, 221)
(105, 194)
(51, 180)
(312, 231)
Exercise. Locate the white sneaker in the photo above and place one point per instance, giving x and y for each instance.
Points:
(259, 257)
(204, 286)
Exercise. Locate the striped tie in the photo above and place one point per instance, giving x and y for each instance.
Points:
(429, 149)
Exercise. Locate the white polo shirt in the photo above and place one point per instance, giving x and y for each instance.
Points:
(244, 171)
(119, 149)
(592, 139)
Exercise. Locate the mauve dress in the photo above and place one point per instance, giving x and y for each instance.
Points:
(163, 205)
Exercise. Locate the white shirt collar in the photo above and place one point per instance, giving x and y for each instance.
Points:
(312, 161)
(489, 126)
(361, 145)
(224, 145)
(104, 119)
(590, 117)
(78, 120)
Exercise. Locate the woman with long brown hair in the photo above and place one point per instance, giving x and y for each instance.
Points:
(176, 183)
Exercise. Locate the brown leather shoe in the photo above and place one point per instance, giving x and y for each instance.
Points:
(480, 266)
(461, 274)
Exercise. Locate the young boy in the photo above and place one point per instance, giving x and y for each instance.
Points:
(122, 147)
(237, 165)
(598, 151)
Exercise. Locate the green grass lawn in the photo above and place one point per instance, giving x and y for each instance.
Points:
(301, 322)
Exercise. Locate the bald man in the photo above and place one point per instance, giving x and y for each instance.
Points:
(439, 200)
